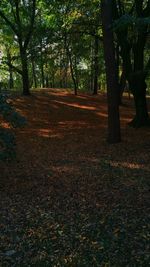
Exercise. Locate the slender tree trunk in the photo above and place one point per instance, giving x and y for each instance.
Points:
(47, 74)
(96, 43)
(76, 71)
(122, 85)
(34, 72)
(91, 68)
(65, 59)
(47, 81)
(60, 71)
(114, 135)
(73, 76)
(11, 81)
(66, 75)
(42, 65)
(72, 71)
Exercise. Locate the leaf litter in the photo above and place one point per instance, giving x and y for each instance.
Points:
(69, 198)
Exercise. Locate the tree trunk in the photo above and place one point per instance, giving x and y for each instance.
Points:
(134, 67)
(25, 75)
(11, 81)
(95, 89)
(91, 68)
(34, 73)
(122, 85)
(65, 78)
(72, 72)
(41, 65)
(114, 135)
(138, 87)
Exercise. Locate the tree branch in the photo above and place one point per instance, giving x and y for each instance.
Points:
(13, 67)
(31, 26)
(8, 22)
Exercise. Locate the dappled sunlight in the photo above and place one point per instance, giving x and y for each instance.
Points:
(129, 165)
(74, 124)
(4, 125)
(75, 105)
(47, 133)
(55, 114)
(66, 169)
(101, 114)
(44, 132)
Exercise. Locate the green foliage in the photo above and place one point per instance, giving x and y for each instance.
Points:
(127, 20)
(7, 139)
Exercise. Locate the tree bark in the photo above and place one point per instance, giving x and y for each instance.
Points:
(91, 69)
(41, 65)
(114, 135)
(138, 84)
(138, 88)
(72, 71)
(25, 75)
(11, 81)
(34, 72)
(96, 42)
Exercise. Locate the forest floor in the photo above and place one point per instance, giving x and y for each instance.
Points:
(69, 198)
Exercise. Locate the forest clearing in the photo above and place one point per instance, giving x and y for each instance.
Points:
(69, 198)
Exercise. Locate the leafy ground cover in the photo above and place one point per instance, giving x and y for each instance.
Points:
(69, 198)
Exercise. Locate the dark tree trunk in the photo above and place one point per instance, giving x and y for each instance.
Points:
(134, 67)
(73, 77)
(91, 70)
(114, 135)
(66, 75)
(42, 75)
(122, 85)
(76, 70)
(11, 81)
(138, 85)
(72, 72)
(41, 65)
(47, 76)
(138, 88)
(34, 73)
(47, 82)
(70, 61)
(25, 75)
(96, 42)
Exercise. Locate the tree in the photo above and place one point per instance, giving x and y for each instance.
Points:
(111, 73)
(132, 32)
(20, 17)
